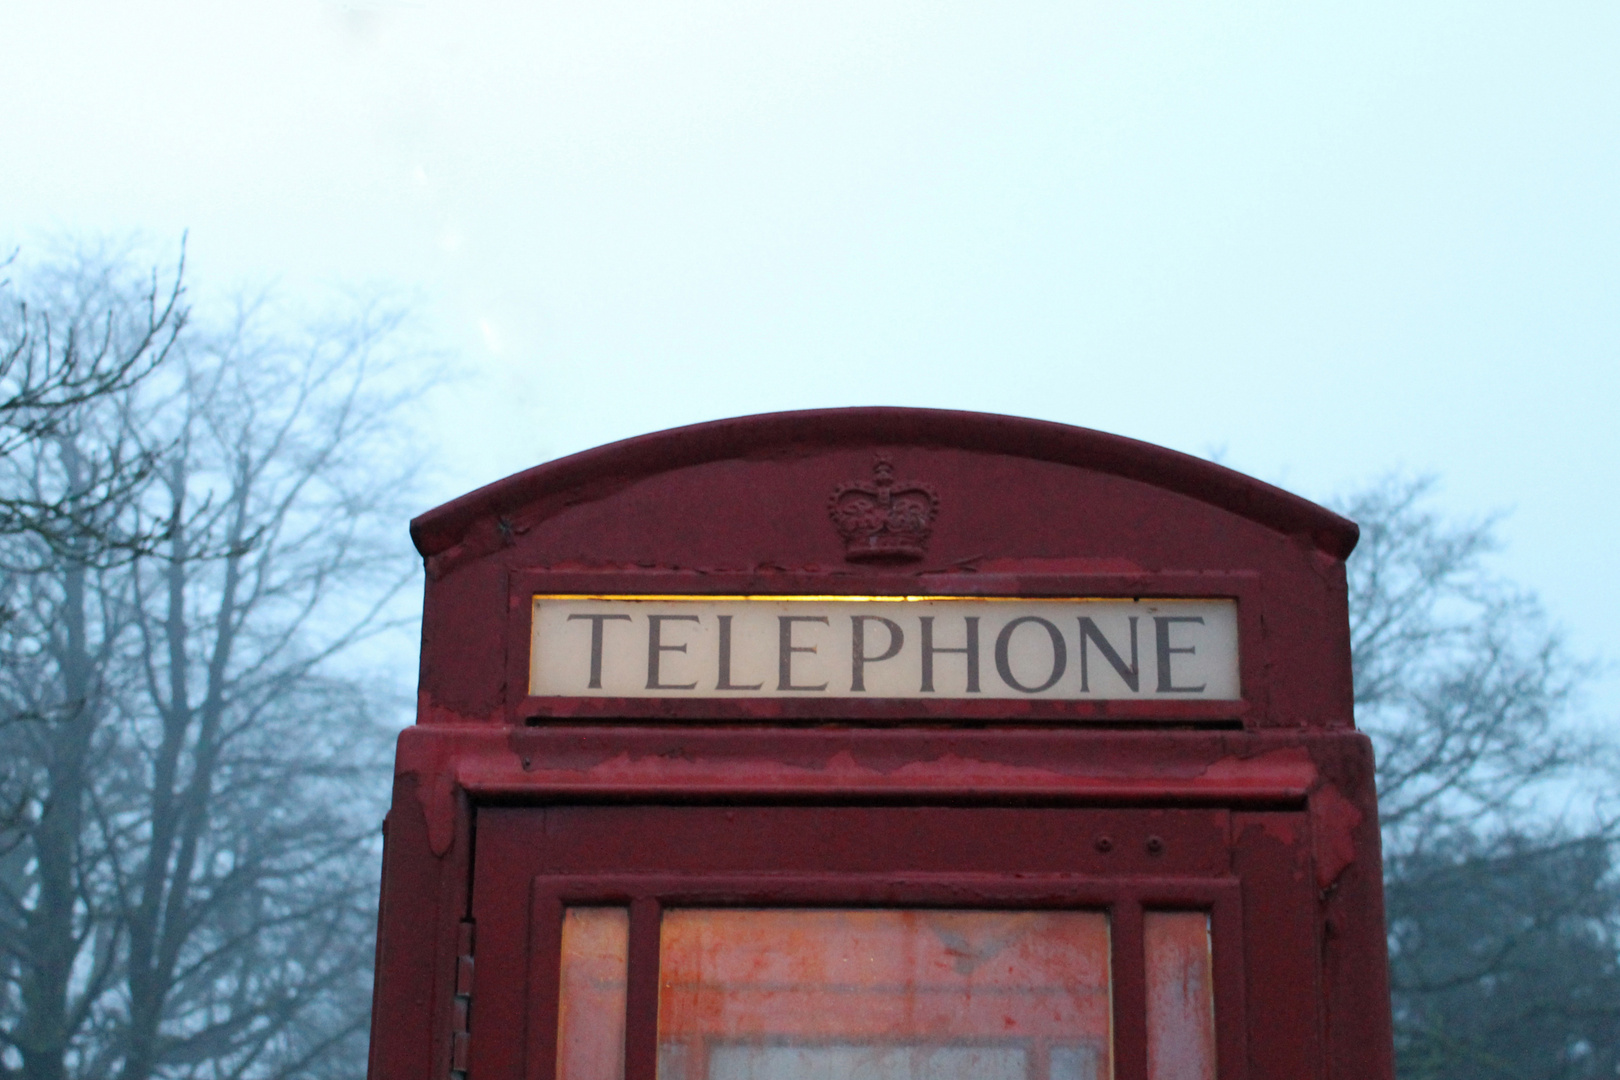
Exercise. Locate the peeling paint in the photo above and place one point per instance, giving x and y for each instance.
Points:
(1334, 820)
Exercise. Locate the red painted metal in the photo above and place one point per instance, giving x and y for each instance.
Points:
(506, 806)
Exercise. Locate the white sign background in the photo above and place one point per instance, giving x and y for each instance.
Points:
(886, 647)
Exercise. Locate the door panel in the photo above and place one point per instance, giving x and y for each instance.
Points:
(864, 943)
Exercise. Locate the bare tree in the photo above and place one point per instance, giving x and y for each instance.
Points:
(85, 330)
(1504, 910)
(192, 890)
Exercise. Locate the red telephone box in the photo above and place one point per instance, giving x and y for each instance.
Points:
(882, 744)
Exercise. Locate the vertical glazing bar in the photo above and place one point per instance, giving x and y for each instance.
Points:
(1180, 996)
(1231, 1034)
(545, 947)
(641, 1012)
(1130, 991)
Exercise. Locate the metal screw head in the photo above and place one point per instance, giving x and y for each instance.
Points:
(1104, 844)
(1155, 845)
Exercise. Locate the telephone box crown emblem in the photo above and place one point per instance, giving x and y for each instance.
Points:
(883, 519)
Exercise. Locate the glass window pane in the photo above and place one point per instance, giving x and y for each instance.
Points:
(1075, 1063)
(744, 1061)
(590, 1009)
(1180, 996)
(884, 995)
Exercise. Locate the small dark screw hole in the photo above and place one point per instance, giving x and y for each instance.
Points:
(1105, 844)
(1155, 846)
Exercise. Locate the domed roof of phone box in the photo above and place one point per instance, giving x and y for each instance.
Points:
(1018, 507)
(674, 481)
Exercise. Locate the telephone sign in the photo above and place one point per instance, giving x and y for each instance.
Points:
(882, 744)
(883, 647)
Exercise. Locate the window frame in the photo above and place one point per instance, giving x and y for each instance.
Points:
(647, 895)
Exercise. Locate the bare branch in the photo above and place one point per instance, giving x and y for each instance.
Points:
(219, 872)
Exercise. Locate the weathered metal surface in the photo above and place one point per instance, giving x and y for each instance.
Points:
(1258, 811)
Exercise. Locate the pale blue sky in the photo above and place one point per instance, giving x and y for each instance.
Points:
(1333, 240)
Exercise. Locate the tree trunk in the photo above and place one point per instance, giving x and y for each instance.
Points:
(49, 931)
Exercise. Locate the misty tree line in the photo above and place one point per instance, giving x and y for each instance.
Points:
(1499, 839)
(199, 530)
(195, 527)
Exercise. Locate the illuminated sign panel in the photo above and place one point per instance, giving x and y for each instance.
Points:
(885, 647)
